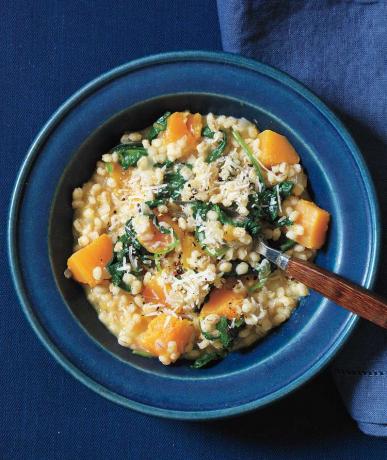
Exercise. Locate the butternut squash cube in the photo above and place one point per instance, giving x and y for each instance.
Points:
(96, 254)
(223, 302)
(181, 124)
(315, 223)
(155, 291)
(276, 149)
(164, 329)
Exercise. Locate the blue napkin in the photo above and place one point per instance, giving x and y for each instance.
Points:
(338, 49)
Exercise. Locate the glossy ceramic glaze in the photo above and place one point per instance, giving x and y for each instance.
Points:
(64, 155)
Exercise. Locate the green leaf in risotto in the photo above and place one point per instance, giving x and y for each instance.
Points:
(129, 154)
(218, 151)
(206, 132)
(158, 126)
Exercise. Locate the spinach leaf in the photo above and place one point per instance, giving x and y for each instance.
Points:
(224, 336)
(253, 222)
(288, 244)
(174, 183)
(239, 323)
(117, 275)
(228, 331)
(235, 327)
(129, 154)
(132, 237)
(249, 153)
(201, 208)
(206, 132)
(270, 197)
(158, 126)
(156, 202)
(283, 222)
(285, 188)
(209, 336)
(224, 218)
(269, 203)
(264, 270)
(253, 226)
(264, 204)
(206, 359)
(217, 152)
(114, 266)
(134, 254)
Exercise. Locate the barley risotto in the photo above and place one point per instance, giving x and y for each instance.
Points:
(166, 233)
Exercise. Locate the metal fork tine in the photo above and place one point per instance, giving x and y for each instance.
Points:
(274, 255)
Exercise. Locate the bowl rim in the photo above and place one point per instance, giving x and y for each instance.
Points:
(89, 88)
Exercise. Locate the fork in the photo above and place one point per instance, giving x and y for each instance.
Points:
(354, 298)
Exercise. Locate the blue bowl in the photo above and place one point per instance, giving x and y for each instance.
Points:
(64, 155)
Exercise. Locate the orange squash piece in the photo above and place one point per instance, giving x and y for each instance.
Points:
(189, 244)
(315, 222)
(163, 329)
(223, 302)
(181, 124)
(176, 127)
(276, 149)
(96, 254)
(155, 292)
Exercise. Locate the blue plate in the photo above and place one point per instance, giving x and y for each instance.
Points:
(64, 155)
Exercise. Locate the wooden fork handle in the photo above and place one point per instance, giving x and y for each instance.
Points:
(344, 293)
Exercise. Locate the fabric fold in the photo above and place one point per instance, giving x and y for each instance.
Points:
(337, 49)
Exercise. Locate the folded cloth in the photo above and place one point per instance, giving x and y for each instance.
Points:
(337, 48)
(360, 372)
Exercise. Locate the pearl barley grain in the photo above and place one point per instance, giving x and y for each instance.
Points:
(242, 268)
(242, 253)
(77, 193)
(254, 257)
(225, 267)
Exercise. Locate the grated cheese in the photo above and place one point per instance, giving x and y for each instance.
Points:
(227, 181)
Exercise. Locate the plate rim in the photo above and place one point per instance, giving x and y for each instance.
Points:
(85, 91)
